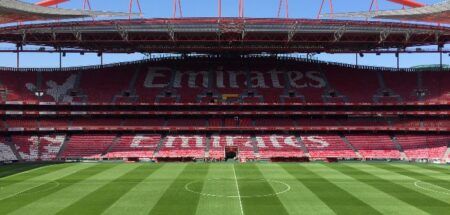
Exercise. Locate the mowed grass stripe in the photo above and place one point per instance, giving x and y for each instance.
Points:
(299, 197)
(143, 197)
(372, 196)
(52, 185)
(176, 199)
(74, 188)
(31, 173)
(219, 181)
(13, 169)
(441, 169)
(252, 183)
(403, 181)
(424, 170)
(419, 176)
(411, 197)
(39, 182)
(102, 198)
(339, 200)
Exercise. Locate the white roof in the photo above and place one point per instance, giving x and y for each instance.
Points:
(18, 11)
(437, 13)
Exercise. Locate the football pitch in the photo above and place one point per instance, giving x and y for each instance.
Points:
(225, 188)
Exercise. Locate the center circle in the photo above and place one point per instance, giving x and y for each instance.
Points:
(227, 188)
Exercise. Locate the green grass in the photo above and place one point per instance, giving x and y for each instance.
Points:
(225, 188)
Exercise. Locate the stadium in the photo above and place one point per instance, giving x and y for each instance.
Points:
(298, 112)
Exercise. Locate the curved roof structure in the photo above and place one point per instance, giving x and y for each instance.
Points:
(17, 11)
(218, 35)
(436, 13)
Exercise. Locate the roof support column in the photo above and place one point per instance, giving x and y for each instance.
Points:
(177, 8)
(18, 56)
(219, 8)
(130, 8)
(60, 59)
(241, 8)
(330, 2)
(286, 8)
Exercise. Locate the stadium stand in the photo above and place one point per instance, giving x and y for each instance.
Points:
(243, 143)
(374, 146)
(327, 146)
(158, 81)
(50, 146)
(27, 146)
(6, 153)
(87, 146)
(278, 146)
(43, 148)
(213, 108)
(134, 146)
(423, 147)
(183, 146)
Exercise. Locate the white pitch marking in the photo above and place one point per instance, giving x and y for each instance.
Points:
(287, 189)
(238, 192)
(39, 191)
(417, 184)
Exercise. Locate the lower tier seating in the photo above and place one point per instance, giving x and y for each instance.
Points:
(87, 146)
(327, 146)
(36, 147)
(138, 146)
(374, 146)
(183, 146)
(282, 146)
(219, 147)
(6, 153)
(27, 146)
(243, 145)
(420, 147)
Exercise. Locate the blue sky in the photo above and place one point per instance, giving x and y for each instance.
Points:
(208, 8)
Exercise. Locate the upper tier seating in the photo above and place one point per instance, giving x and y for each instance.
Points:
(52, 123)
(327, 146)
(374, 146)
(103, 84)
(96, 122)
(197, 79)
(274, 122)
(186, 122)
(143, 122)
(442, 123)
(87, 146)
(21, 123)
